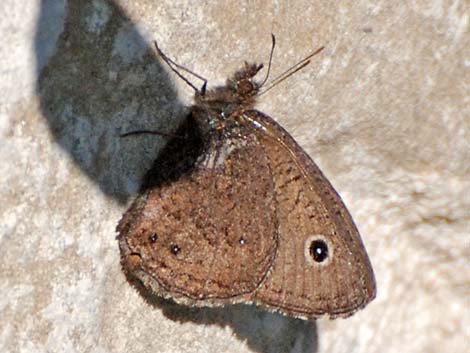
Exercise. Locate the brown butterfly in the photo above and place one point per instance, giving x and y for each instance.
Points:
(244, 215)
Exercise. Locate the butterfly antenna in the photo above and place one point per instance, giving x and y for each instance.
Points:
(292, 70)
(151, 132)
(174, 66)
(270, 60)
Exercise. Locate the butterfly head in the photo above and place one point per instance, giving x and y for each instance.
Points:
(238, 94)
(242, 83)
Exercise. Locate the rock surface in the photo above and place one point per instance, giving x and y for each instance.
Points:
(384, 111)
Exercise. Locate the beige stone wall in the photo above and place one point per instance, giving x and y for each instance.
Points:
(384, 111)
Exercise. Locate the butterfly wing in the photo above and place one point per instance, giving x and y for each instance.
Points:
(321, 266)
(209, 235)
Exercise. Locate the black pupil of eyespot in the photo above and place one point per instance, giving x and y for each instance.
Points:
(153, 238)
(319, 250)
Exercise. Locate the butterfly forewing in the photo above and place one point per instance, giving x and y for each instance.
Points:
(308, 210)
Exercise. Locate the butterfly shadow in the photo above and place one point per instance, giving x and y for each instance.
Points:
(263, 331)
(98, 77)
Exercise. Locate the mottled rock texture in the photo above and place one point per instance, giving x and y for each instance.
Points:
(384, 111)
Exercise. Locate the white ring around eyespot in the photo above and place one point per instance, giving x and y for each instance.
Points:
(308, 256)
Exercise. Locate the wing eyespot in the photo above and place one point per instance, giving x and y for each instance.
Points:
(153, 238)
(318, 250)
(175, 249)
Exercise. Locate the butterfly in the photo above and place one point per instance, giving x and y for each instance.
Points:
(236, 211)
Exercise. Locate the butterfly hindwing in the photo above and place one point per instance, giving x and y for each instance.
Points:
(212, 233)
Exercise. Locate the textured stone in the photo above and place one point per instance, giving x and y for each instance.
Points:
(384, 112)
